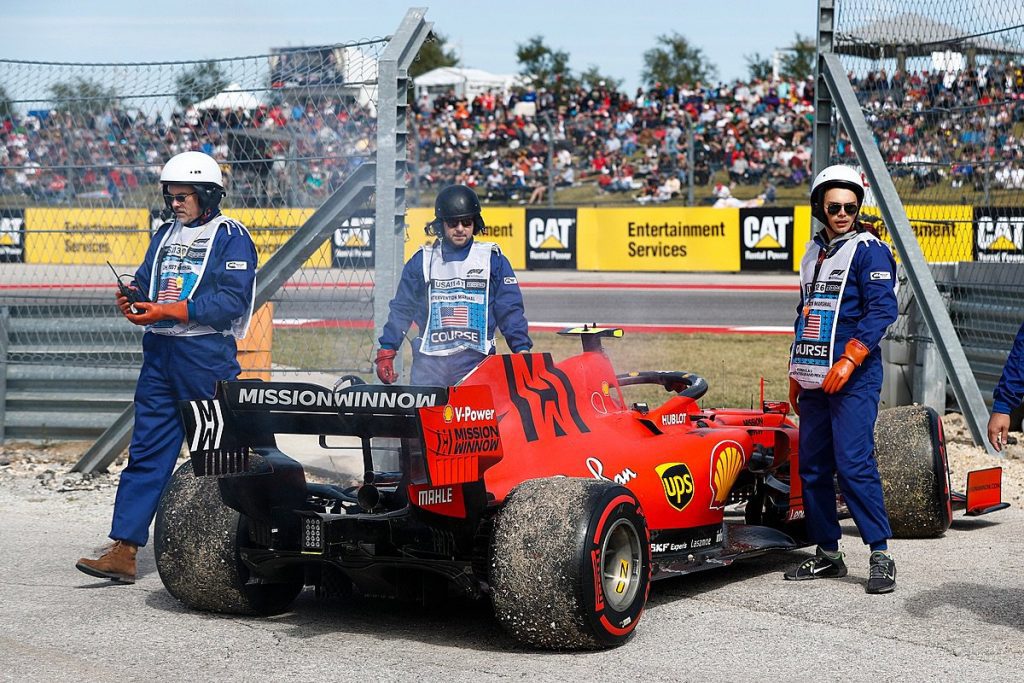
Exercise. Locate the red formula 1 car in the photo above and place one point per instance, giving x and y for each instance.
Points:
(531, 482)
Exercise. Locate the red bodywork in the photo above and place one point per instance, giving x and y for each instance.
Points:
(520, 417)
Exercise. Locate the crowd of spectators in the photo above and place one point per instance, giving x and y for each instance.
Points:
(273, 155)
(947, 127)
(758, 132)
(937, 127)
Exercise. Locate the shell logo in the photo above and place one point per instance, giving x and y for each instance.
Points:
(726, 464)
(448, 413)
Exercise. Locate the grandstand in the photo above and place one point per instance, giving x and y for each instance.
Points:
(937, 130)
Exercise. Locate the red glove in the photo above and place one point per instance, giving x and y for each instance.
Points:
(853, 355)
(794, 395)
(154, 313)
(385, 362)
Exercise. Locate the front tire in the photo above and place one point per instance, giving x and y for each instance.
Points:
(911, 454)
(196, 546)
(571, 564)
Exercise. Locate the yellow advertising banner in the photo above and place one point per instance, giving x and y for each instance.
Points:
(271, 228)
(658, 239)
(945, 232)
(801, 233)
(506, 227)
(416, 220)
(86, 236)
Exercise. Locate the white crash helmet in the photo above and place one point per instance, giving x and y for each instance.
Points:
(722, 191)
(834, 176)
(199, 170)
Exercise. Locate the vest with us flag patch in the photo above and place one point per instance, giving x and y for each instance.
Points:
(457, 301)
(182, 257)
(822, 283)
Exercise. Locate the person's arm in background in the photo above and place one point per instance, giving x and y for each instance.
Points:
(1008, 393)
(409, 300)
(875, 270)
(876, 279)
(508, 307)
(143, 275)
(226, 290)
(794, 386)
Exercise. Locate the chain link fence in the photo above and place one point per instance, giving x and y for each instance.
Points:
(941, 83)
(81, 149)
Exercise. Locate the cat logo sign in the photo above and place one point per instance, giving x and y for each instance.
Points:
(999, 237)
(551, 238)
(766, 239)
(11, 236)
(766, 232)
(353, 243)
(552, 233)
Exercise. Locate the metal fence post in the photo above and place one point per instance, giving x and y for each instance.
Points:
(822, 97)
(392, 163)
(5, 314)
(932, 307)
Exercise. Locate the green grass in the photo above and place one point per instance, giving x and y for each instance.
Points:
(733, 364)
(587, 194)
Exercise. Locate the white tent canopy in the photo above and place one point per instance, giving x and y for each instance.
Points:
(232, 97)
(464, 82)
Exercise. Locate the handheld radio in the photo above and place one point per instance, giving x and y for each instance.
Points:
(134, 296)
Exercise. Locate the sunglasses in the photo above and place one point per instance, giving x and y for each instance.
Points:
(180, 198)
(833, 209)
(456, 222)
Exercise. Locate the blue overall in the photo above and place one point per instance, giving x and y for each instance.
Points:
(175, 369)
(179, 368)
(1010, 390)
(505, 312)
(837, 430)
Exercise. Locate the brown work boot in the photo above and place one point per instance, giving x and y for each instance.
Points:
(116, 564)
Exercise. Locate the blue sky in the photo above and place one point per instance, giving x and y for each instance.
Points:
(610, 35)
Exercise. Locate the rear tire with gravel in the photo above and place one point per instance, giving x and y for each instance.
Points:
(196, 546)
(911, 454)
(570, 564)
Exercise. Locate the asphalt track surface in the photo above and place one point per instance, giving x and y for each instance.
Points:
(957, 614)
(640, 302)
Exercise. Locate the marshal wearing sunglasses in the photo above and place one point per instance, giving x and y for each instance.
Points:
(850, 209)
(458, 291)
(198, 280)
(847, 301)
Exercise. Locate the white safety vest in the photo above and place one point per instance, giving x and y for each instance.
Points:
(822, 285)
(457, 299)
(178, 266)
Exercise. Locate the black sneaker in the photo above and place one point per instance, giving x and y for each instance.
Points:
(821, 566)
(881, 573)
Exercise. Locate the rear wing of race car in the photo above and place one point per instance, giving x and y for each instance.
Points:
(223, 432)
(445, 438)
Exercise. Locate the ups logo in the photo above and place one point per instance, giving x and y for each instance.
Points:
(677, 482)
